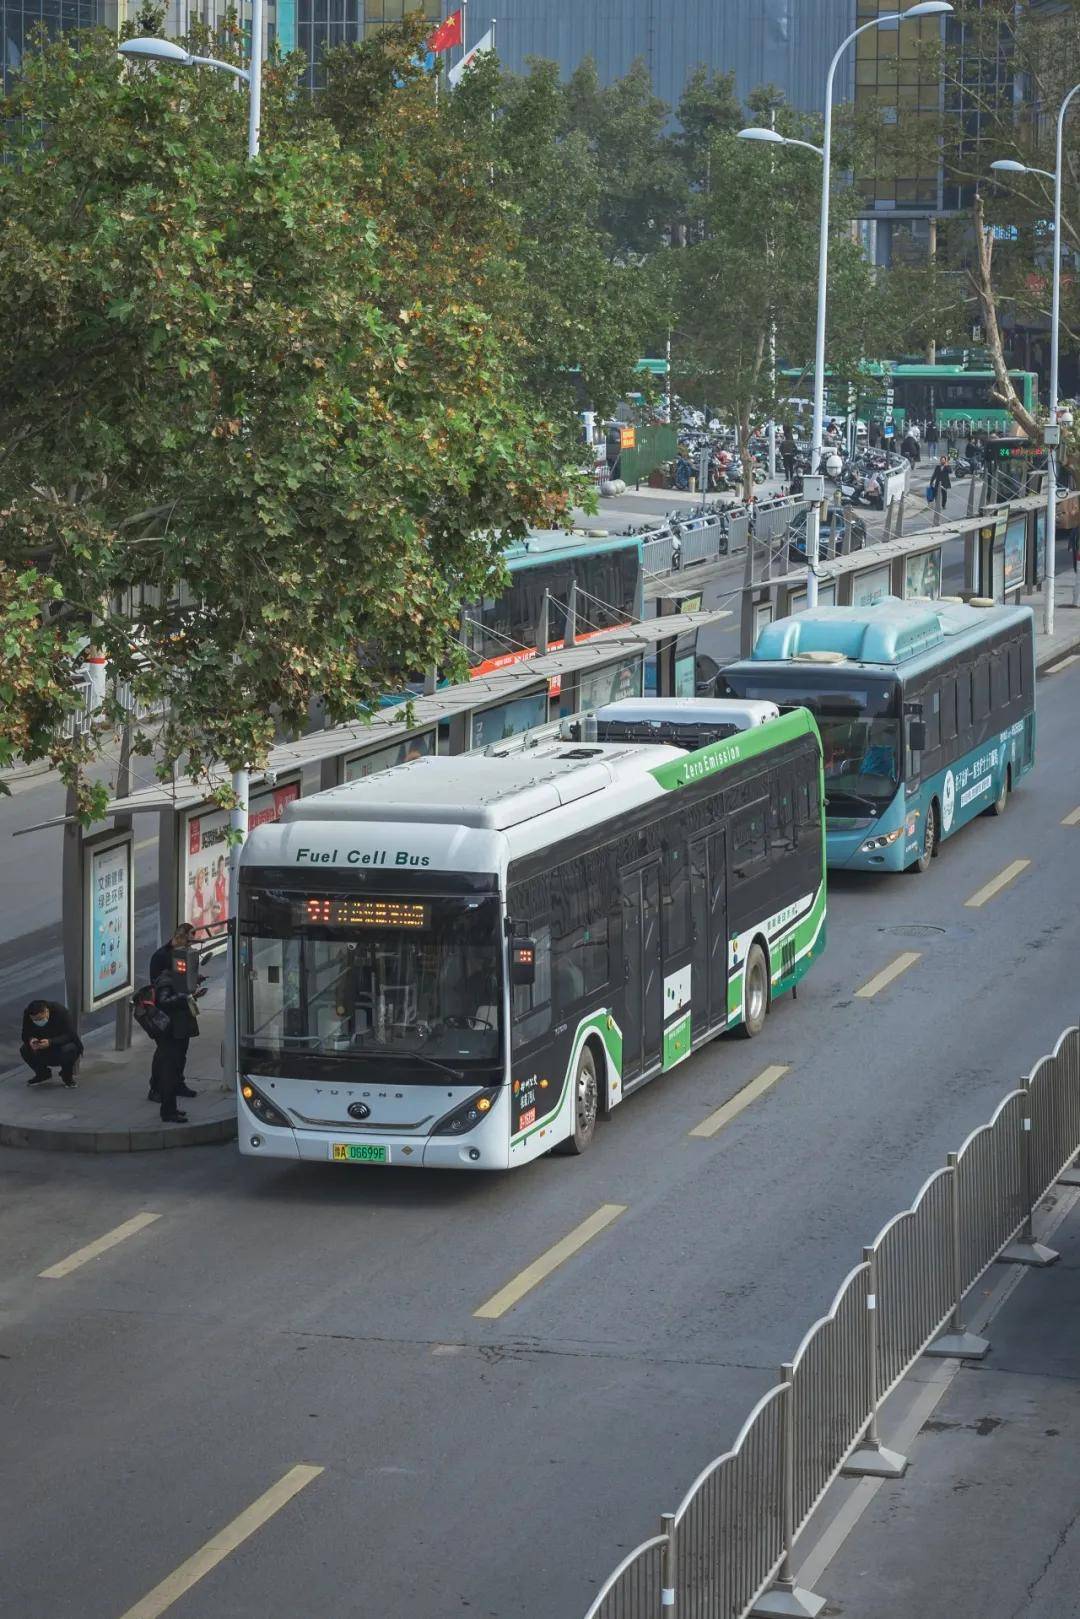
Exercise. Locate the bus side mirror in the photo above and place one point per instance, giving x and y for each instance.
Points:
(916, 735)
(522, 961)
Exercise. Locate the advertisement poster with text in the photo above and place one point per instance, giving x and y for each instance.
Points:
(109, 923)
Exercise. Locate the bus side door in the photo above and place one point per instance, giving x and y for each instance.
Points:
(708, 907)
(643, 1008)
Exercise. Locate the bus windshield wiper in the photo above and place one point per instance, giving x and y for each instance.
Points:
(378, 1046)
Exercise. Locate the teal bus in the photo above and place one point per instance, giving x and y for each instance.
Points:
(926, 711)
(958, 394)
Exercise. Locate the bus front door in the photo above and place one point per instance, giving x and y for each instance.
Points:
(643, 1007)
(708, 906)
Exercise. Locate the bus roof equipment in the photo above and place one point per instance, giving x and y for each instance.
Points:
(889, 632)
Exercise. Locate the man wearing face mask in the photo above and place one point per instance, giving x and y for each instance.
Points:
(49, 1041)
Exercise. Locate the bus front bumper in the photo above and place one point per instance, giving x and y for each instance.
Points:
(873, 847)
(470, 1151)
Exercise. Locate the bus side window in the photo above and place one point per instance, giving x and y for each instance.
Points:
(1016, 670)
(676, 903)
(580, 918)
(782, 813)
(980, 690)
(948, 708)
(532, 1002)
(999, 681)
(749, 839)
(963, 707)
(932, 716)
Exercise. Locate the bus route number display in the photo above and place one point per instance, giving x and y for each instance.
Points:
(330, 911)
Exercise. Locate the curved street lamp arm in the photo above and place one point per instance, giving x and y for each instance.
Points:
(225, 67)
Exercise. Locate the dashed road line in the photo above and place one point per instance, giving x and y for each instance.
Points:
(524, 1282)
(996, 884)
(1073, 817)
(180, 1581)
(734, 1105)
(882, 980)
(83, 1256)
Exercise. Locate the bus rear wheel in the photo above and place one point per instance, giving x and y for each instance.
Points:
(1001, 802)
(929, 842)
(586, 1102)
(755, 993)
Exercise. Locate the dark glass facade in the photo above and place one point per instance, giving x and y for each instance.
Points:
(322, 24)
(19, 18)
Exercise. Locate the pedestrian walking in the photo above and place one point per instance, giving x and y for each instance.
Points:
(166, 1075)
(932, 439)
(938, 490)
(179, 956)
(909, 447)
(49, 1039)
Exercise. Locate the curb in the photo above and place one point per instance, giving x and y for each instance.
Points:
(154, 1139)
(1059, 652)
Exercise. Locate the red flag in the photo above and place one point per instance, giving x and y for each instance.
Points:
(448, 33)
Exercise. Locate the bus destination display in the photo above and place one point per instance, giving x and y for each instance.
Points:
(333, 911)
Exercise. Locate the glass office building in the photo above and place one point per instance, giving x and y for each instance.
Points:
(19, 19)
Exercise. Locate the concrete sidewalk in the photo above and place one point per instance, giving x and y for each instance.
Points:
(984, 1525)
(109, 1111)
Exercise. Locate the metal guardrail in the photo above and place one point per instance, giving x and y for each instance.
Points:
(717, 533)
(735, 1530)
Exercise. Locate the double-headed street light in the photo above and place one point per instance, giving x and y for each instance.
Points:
(148, 48)
(1008, 165)
(925, 8)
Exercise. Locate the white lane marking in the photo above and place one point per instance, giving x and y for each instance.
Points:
(881, 980)
(533, 1274)
(1062, 663)
(735, 1104)
(1073, 818)
(226, 1540)
(996, 884)
(82, 1256)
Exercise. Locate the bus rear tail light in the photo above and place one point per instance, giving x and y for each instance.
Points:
(468, 1115)
(264, 1111)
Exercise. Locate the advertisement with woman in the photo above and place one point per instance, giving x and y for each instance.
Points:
(204, 857)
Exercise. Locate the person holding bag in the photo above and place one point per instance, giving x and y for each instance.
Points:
(937, 490)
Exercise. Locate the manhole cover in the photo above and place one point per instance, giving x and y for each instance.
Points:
(914, 930)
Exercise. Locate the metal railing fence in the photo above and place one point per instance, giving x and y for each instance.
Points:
(718, 532)
(735, 1530)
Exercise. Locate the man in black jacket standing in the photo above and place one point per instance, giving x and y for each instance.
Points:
(48, 1038)
(166, 1076)
(940, 484)
(178, 953)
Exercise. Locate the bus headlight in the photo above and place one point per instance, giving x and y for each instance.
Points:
(468, 1115)
(264, 1111)
(882, 842)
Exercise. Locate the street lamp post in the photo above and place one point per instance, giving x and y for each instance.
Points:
(148, 48)
(1009, 166)
(925, 8)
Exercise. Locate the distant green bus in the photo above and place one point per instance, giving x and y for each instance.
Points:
(926, 712)
(943, 393)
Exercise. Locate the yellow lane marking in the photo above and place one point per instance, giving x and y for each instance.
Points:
(881, 980)
(1073, 818)
(1063, 663)
(525, 1280)
(82, 1256)
(225, 1541)
(996, 884)
(735, 1104)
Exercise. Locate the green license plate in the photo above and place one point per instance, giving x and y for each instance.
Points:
(356, 1152)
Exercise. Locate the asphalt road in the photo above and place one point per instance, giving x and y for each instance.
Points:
(272, 1317)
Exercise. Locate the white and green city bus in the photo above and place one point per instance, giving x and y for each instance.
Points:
(926, 711)
(461, 962)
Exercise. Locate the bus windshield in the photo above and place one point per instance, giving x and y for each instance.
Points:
(859, 725)
(862, 764)
(377, 977)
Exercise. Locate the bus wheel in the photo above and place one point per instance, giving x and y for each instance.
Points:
(1000, 803)
(929, 842)
(755, 993)
(586, 1102)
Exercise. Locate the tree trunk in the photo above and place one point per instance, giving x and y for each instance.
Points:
(747, 462)
(982, 282)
